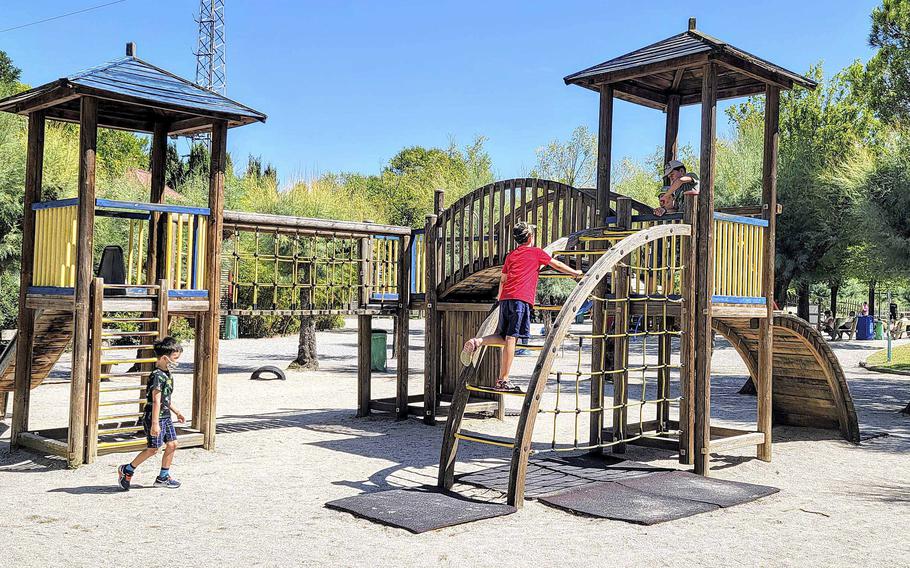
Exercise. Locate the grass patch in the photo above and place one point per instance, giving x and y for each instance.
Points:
(900, 358)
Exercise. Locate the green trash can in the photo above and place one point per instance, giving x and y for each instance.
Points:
(231, 328)
(378, 345)
(879, 329)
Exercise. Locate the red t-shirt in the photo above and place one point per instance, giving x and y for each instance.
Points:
(522, 269)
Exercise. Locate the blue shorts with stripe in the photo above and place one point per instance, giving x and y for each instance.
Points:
(166, 434)
(514, 319)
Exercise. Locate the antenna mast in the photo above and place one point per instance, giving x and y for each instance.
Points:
(210, 59)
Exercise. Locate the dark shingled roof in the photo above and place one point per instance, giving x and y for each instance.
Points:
(133, 94)
(673, 67)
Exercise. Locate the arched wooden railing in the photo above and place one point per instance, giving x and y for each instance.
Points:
(475, 232)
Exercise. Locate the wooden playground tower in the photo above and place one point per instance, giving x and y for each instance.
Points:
(697, 271)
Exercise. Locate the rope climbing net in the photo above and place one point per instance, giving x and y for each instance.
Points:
(294, 273)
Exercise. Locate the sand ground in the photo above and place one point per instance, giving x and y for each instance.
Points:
(285, 448)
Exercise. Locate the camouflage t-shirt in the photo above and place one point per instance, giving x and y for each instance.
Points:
(161, 381)
(680, 194)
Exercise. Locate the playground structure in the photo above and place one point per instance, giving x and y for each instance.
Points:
(668, 280)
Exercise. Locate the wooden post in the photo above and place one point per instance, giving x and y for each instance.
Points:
(199, 342)
(672, 131)
(687, 342)
(431, 347)
(94, 376)
(604, 152)
(766, 326)
(402, 330)
(213, 281)
(4, 397)
(156, 234)
(620, 325)
(704, 273)
(88, 144)
(34, 165)
(364, 359)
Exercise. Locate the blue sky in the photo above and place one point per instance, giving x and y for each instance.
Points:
(347, 84)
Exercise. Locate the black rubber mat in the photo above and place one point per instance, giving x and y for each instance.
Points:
(418, 510)
(548, 476)
(616, 501)
(685, 485)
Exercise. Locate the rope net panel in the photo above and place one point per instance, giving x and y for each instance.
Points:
(298, 273)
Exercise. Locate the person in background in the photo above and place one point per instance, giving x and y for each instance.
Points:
(682, 183)
(865, 310)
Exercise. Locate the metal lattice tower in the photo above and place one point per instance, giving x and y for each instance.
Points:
(210, 58)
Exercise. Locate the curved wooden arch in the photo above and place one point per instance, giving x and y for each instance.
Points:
(568, 208)
(809, 387)
(599, 270)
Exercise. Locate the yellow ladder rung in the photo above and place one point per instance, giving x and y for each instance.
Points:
(123, 444)
(129, 320)
(122, 388)
(130, 334)
(488, 390)
(122, 402)
(110, 417)
(122, 361)
(125, 374)
(484, 440)
(122, 347)
(124, 430)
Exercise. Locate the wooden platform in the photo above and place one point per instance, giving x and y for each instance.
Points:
(809, 386)
(53, 441)
(64, 302)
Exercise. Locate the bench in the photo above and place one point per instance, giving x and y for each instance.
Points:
(849, 331)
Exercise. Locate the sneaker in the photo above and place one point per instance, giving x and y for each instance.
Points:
(124, 478)
(168, 482)
(507, 386)
(467, 352)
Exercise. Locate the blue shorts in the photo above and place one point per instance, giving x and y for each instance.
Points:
(514, 319)
(167, 433)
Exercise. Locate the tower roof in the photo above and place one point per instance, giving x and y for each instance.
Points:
(133, 94)
(673, 66)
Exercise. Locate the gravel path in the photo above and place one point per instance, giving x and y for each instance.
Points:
(285, 448)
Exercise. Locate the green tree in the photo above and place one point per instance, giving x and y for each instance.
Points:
(572, 162)
(888, 71)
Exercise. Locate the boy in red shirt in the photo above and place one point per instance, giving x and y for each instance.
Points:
(517, 289)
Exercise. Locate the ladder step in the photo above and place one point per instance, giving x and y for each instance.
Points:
(122, 347)
(129, 320)
(129, 334)
(123, 361)
(489, 390)
(123, 388)
(121, 402)
(122, 444)
(123, 374)
(110, 417)
(109, 431)
(146, 286)
(501, 442)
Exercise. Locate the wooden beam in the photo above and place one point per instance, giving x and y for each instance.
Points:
(158, 165)
(738, 441)
(687, 341)
(213, 280)
(640, 95)
(640, 71)
(764, 385)
(88, 145)
(734, 92)
(704, 273)
(364, 358)
(402, 330)
(677, 79)
(34, 166)
(604, 153)
(94, 375)
(753, 71)
(621, 321)
(352, 228)
(57, 94)
(431, 335)
(671, 132)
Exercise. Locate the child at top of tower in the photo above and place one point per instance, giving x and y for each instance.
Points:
(517, 289)
(682, 183)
